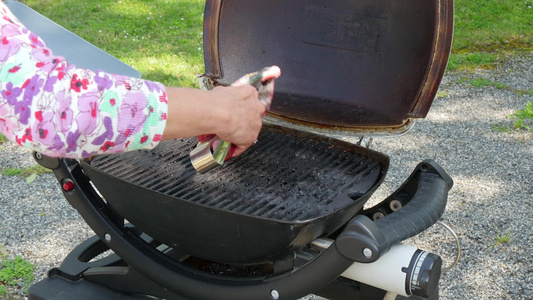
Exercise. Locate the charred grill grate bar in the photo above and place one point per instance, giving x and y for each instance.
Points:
(282, 177)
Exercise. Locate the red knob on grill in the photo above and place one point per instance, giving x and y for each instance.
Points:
(68, 186)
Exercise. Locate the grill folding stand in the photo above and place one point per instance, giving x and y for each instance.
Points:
(286, 218)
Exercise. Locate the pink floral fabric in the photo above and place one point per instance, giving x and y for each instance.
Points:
(59, 110)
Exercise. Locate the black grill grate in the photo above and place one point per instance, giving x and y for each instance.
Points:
(282, 177)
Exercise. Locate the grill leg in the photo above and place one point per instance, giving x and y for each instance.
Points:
(108, 278)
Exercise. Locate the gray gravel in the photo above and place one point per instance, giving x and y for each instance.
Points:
(492, 196)
(493, 175)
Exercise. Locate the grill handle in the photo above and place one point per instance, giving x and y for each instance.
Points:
(425, 194)
(413, 208)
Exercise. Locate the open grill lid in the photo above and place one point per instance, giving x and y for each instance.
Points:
(347, 66)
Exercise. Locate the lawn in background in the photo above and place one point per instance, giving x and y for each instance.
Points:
(487, 29)
(163, 38)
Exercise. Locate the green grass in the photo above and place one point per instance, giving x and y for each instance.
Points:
(523, 118)
(3, 290)
(485, 29)
(501, 128)
(162, 39)
(483, 82)
(488, 25)
(525, 92)
(25, 172)
(503, 239)
(464, 60)
(442, 94)
(16, 273)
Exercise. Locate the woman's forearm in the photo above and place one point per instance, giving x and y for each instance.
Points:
(57, 109)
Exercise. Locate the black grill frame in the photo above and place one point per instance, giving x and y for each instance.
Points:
(215, 230)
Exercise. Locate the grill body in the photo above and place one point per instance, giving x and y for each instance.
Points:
(286, 191)
(350, 67)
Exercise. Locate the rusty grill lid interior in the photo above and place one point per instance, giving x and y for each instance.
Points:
(349, 65)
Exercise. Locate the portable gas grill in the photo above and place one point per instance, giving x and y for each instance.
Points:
(286, 218)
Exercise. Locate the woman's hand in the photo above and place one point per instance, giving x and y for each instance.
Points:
(245, 116)
(233, 113)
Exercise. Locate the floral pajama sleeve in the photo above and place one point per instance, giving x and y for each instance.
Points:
(59, 110)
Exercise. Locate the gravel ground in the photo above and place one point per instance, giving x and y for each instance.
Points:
(492, 196)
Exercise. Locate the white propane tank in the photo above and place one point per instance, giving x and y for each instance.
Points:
(404, 270)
